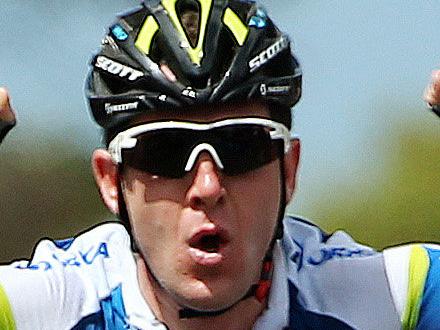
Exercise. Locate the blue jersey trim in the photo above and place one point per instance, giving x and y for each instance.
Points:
(64, 243)
(302, 319)
(429, 317)
(112, 315)
(91, 322)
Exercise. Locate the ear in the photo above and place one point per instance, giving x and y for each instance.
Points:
(105, 172)
(291, 162)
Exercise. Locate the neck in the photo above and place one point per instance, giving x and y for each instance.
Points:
(242, 316)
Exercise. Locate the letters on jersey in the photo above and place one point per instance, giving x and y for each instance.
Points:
(319, 282)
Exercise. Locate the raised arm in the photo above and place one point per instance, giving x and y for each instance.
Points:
(432, 92)
(7, 116)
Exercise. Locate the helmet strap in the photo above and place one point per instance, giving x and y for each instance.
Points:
(261, 289)
(258, 290)
(123, 213)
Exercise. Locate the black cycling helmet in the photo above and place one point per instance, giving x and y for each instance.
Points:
(179, 53)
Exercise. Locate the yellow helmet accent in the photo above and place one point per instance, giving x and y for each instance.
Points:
(195, 53)
(235, 25)
(146, 34)
(150, 27)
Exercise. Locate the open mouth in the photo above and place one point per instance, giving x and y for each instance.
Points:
(207, 246)
(210, 243)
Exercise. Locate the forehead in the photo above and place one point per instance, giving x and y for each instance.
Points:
(208, 113)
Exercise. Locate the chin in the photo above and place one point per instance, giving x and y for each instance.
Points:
(210, 297)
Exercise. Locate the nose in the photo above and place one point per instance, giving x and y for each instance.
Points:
(206, 190)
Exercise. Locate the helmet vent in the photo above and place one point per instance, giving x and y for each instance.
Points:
(189, 14)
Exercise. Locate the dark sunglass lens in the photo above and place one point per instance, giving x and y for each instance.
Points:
(241, 148)
(162, 152)
(245, 148)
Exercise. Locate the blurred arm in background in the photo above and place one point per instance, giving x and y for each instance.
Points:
(432, 92)
(7, 116)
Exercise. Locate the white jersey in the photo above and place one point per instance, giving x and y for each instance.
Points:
(320, 282)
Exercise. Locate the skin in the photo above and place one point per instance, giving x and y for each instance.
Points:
(165, 213)
(7, 116)
(171, 208)
(6, 113)
(432, 91)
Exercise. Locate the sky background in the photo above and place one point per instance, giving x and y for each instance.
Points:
(365, 65)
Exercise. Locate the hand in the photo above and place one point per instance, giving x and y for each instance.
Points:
(432, 92)
(7, 116)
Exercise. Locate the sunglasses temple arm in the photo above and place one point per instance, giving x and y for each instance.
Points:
(282, 134)
(119, 143)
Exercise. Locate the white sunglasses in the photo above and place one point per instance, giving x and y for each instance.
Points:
(171, 148)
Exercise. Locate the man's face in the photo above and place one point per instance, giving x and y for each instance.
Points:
(204, 236)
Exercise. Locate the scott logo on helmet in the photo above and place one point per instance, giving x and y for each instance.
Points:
(118, 69)
(268, 54)
(274, 90)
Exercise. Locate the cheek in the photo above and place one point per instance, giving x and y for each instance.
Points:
(261, 193)
(154, 222)
(258, 199)
(156, 232)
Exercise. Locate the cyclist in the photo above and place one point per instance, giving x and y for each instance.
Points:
(194, 100)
